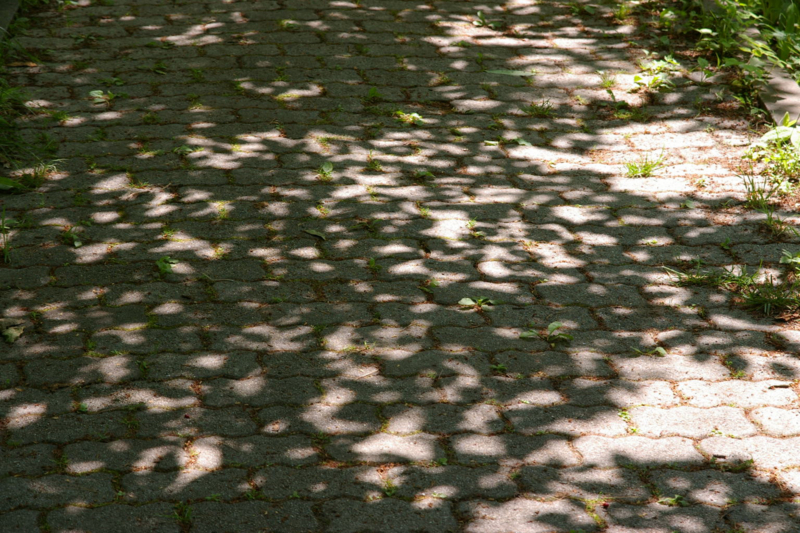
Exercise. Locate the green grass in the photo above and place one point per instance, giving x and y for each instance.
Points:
(645, 166)
(543, 109)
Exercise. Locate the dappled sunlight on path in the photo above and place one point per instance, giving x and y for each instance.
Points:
(279, 209)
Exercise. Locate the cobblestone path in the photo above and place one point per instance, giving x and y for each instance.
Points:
(279, 206)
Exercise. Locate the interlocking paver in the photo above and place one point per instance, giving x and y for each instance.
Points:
(322, 183)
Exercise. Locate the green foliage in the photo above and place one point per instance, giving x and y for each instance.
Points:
(551, 336)
(543, 109)
(164, 265)
(779, 150)
(481, 22)
(481, 303)
(769, 296)
(644, 166)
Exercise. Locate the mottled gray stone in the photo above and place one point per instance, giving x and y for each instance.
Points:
(156, 517)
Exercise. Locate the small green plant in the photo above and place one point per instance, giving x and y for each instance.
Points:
(86, 39)
(675, 501)
(373, 265)
(775, 225)
(389, 488)
(373, 96)
(658, 82)
(607, 79)
(325, 171)
(421, 175)
(622, 12)
(373, 164)
(658, 351)
(791, 259)
(428, 286)
(182, 513)
(100, 97)
(185, 150)
(409, 119)
(5, 227)
(164, 265)
(111, 82)
(542, 109)
(424, 212)
(498, 368)
(644, 167)
(478, 303)
(369, 225)
(159, 67)
(71, 237)
(481, 22)
(471, 224)
(551, 336)
(287, 25)
(151, 118)
(577, 9)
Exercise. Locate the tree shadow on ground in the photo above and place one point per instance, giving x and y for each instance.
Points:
(305, 364)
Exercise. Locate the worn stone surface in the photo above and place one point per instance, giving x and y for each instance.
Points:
(282, 207)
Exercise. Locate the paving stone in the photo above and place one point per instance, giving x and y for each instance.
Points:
(512, 449)
(196, 421)
(740, 393)
(258, 391)
(526, 516)
(777, 422)
(655, 518)
(441, 363)
(156, 517)
(619, 393)
(386, 448)
(32, 460)
(82, 370)
(22, 521)
(452, 482)
(8, 376)
(258, 450)
(671, 368)
(691, 422)
(67, 428)
(764, 452)
(791, 480)
(593, 295)
(125, 455)
(175, 486)
(202, 365)
(712, 487)
(353, 516)
(604, 452)
(55, 490)
(208, 517)
(619, 484)
(21, 402)
(555, 364)
(280, 482)
(441, 418)
(565, 419)
(306, 364)
(752, 517)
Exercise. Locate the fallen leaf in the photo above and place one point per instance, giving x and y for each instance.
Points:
(315, 234)
(13, 333)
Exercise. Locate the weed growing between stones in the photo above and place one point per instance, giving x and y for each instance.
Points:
(767, 294)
